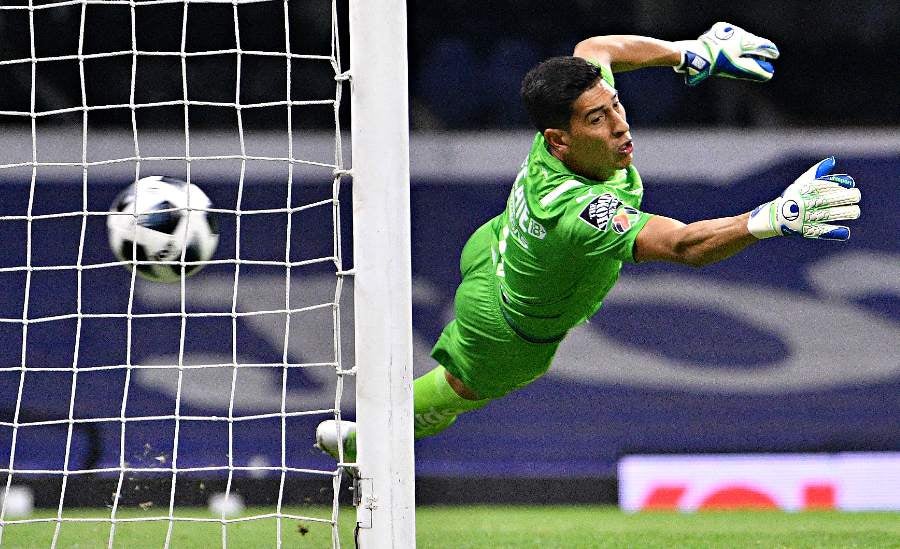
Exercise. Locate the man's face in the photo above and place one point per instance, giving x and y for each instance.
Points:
(598, 140)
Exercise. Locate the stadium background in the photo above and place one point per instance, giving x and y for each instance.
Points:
(722, 380)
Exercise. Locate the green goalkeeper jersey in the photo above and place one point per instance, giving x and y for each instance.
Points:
(561, 242)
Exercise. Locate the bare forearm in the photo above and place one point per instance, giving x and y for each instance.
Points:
(713, 240)
(697, 244)
(629, 52)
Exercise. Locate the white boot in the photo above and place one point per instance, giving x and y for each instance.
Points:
(327, 438)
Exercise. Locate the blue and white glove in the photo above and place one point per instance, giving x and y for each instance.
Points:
(726, 51)
(805, 207)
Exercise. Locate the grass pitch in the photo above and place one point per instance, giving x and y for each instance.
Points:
(481, 527)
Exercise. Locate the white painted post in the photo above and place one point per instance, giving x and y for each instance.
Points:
(382, 283)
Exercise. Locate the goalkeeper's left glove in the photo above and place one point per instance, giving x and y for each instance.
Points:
(805, 207)
(726, 51)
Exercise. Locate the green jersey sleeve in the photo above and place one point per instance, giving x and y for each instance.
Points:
(605, 72)
(600, 224)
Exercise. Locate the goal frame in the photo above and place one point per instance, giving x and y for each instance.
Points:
(383, 279)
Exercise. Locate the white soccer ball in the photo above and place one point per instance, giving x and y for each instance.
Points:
(152, 222)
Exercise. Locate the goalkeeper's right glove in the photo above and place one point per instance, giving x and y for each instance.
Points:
(803, 209)
(726, 51)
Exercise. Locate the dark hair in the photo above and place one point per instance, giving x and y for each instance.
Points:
(550, 89)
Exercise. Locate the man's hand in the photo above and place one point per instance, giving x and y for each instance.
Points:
(805, 207)
(726, 51)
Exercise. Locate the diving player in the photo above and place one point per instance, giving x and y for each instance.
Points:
(574, 216)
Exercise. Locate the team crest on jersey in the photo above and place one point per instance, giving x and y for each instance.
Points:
(600, 210)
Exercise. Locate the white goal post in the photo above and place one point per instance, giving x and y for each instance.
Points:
(382, 286)
(132, 403)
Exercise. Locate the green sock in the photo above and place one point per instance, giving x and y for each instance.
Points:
(435, 407)
(436, 404)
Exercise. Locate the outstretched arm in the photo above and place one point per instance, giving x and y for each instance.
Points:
(805, 208)
(627, 52)
(725, 51)
(696, 244)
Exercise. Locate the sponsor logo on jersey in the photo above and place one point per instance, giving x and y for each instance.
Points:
(519, 218)
(622, 221)
(599, 211)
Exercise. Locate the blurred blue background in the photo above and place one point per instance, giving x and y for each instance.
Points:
(790, 346)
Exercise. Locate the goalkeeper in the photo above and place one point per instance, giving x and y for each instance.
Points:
(574, 216)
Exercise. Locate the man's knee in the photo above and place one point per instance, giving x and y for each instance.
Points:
(460, 388)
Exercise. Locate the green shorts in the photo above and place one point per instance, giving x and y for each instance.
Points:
(479, 347)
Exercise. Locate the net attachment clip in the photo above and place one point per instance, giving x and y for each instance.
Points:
(364, 500)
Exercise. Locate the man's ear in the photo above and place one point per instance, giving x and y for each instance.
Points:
(557, 140)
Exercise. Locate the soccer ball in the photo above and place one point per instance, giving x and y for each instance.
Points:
(161, 228)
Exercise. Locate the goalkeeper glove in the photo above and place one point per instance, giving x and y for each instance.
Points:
(814, 198)
(726, 51)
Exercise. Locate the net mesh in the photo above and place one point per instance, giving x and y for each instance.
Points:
(221, 376)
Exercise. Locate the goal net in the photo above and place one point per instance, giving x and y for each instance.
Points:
(138, 413)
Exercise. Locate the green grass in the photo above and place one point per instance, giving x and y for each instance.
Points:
(572, 527)
(488, 527)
